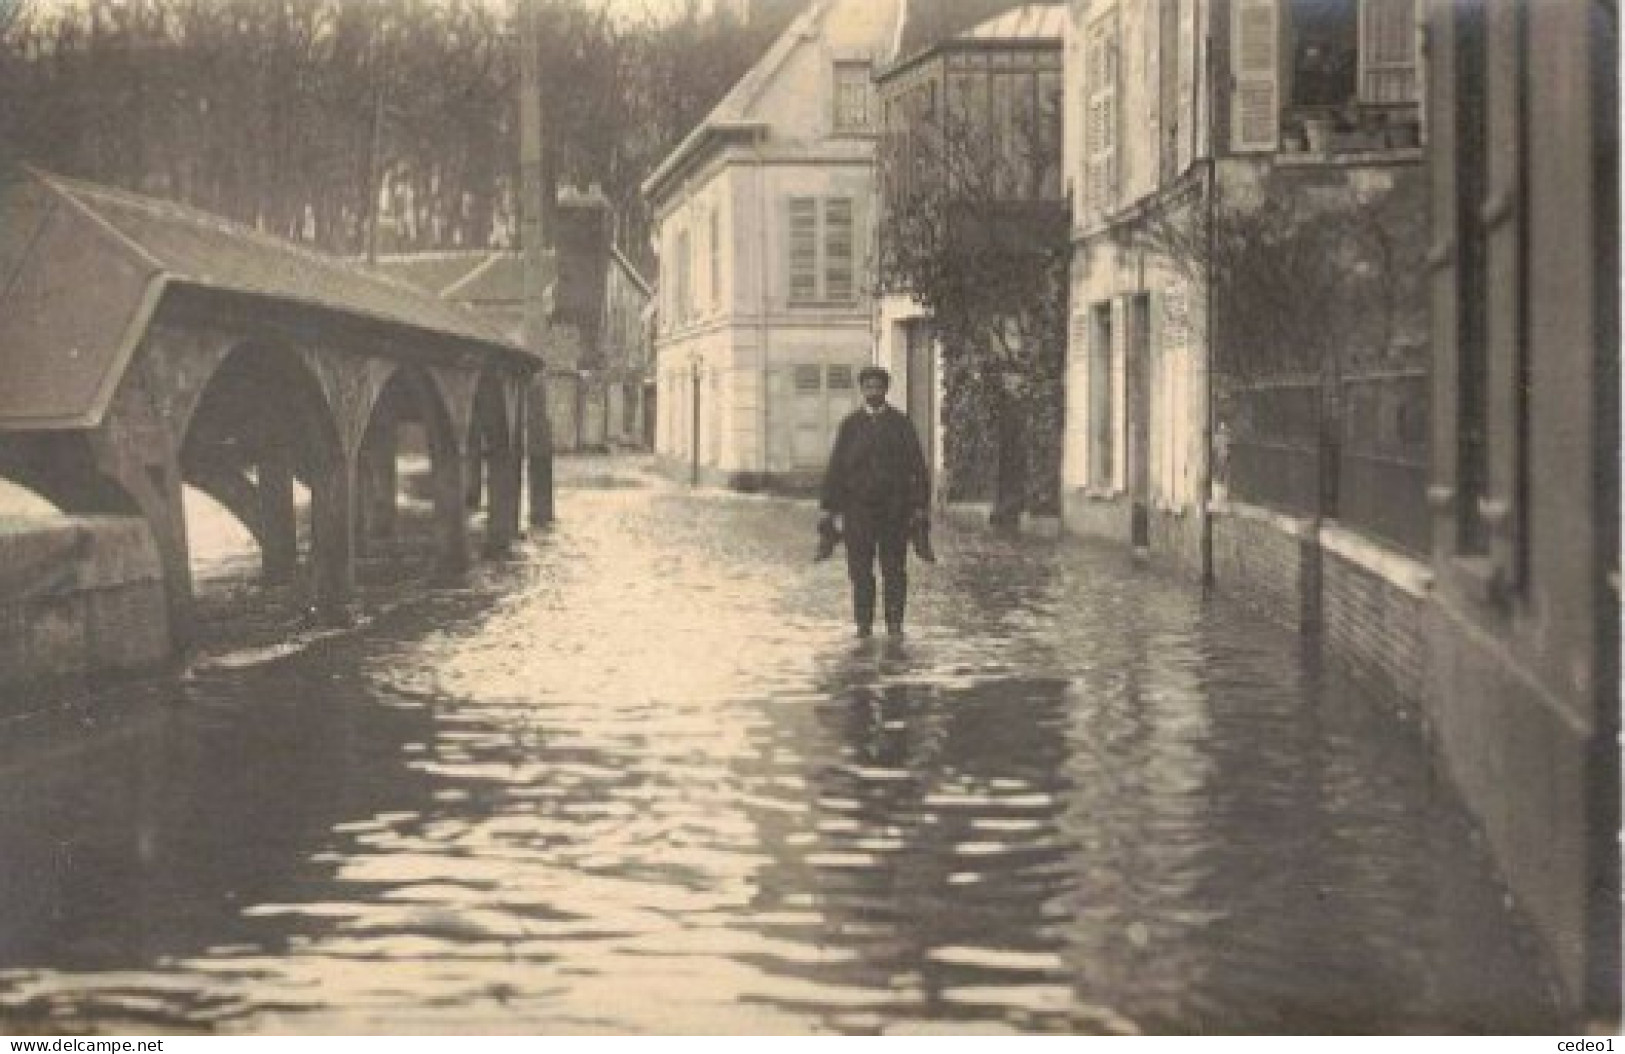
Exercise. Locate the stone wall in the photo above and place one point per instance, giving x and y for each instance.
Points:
(1260, 557)
(1176, 539)
(1374, 613)
(78, 596)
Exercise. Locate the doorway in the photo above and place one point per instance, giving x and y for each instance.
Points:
(921, 394)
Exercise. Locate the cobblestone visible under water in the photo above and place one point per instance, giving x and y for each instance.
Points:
(642, 779)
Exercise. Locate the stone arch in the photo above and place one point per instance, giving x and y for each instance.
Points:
(495, 459)
(261, 421)
(410, 395)
(63, 469)
(233, 489)
(21, 500)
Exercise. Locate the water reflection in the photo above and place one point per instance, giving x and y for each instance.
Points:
(642, 781)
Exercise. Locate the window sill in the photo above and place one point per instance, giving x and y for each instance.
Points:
(1399, 155)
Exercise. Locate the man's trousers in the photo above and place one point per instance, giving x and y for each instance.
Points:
(872, 531)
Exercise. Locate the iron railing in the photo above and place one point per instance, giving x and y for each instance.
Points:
(1274, 449)
(1383, 464)
(1367, 468)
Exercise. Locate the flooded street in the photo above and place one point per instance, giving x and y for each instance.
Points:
(642, 778)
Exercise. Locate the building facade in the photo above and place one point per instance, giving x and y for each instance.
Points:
(1186, 118)
(1429, 484)
(990, 91)
(1524, 502)
(761, 218)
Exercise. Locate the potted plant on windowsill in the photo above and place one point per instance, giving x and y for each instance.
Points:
(1293, 139)
(1403, 134)
(1319, 129)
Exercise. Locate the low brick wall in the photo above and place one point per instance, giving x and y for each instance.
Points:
(1176, 540)
(78, 596)
(1519, 758)
(1374, 613)
(1262, 558)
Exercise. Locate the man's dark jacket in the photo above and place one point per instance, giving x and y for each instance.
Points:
(877, 465)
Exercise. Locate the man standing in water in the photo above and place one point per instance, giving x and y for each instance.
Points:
(876, 492)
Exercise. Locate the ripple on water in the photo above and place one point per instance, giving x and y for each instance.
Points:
(641, 780)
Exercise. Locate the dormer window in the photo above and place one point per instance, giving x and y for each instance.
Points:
(853, 95)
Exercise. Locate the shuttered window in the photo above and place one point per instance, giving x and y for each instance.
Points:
(685, 277)
(1255, 110)
(838, 277)
(823, 250)
(1100, 113)
(820, 396)
(1364, 52)
(1388, 51)
(716, 257)
(803, 249)
(852, 96)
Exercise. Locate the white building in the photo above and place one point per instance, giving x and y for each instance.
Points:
(1164, 96)
(762, 217)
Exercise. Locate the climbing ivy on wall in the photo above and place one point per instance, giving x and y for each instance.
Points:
(990, 267)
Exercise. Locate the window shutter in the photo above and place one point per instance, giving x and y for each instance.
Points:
(1388, 51)
(716, 257)
(1108, 117)
(1094, 59)
(685, 293)
(1185, 147)
(1100, 116)
(1255, 104)
(803, 249)
(839, 278)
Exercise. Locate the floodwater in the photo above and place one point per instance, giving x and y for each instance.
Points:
(642, 779)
